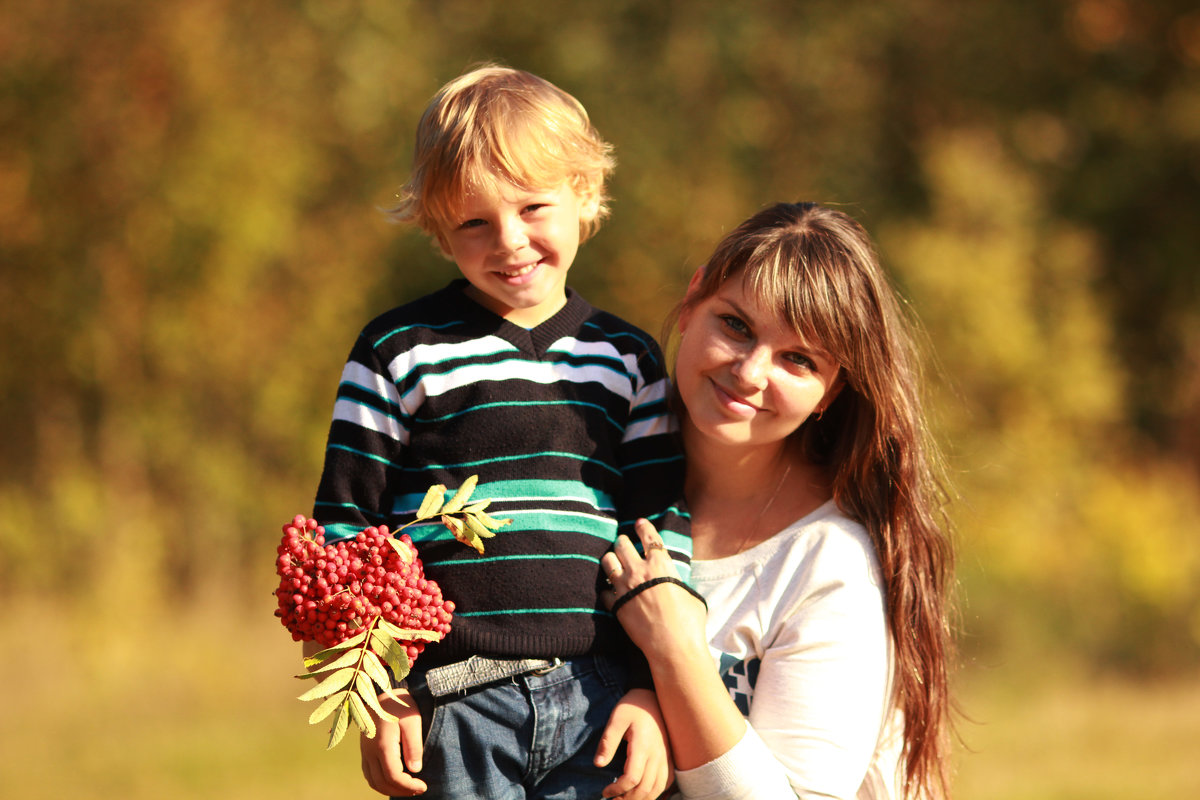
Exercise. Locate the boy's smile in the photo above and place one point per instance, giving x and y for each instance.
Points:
(516, 247)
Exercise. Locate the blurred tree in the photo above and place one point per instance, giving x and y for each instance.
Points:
(190, 239)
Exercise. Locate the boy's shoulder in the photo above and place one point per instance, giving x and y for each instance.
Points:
(435, 311)
(609, 325)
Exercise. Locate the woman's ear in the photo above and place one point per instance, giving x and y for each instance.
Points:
(832, 392)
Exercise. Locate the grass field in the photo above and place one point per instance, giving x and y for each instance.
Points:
(205, 708)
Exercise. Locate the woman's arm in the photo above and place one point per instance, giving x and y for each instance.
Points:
(667, 624)
(822, 683)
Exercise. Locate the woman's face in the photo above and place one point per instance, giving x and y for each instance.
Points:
(744, 375)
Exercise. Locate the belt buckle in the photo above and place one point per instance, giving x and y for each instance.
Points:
(554, 664)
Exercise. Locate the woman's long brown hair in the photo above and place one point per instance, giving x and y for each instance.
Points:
(819, 267)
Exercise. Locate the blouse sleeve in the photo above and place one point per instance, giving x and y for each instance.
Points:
(821, 697)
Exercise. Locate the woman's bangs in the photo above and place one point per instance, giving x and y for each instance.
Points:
(780, 280)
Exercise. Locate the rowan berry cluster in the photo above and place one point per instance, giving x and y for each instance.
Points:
(328, 592)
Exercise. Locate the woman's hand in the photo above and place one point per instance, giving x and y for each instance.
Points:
(663, 617)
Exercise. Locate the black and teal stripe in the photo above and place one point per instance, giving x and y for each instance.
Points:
(566, 426)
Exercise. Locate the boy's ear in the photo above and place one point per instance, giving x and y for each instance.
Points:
(442, 243)
(589, 204)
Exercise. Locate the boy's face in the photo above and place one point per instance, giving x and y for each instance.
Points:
(515, 249)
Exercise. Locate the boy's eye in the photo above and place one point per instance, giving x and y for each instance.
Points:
(471, 223)
(532, 207)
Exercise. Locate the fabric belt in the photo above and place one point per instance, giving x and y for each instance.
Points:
(477, 671)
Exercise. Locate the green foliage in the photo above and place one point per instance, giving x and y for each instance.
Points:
(469, 523)
(351, 676)
(190, 239)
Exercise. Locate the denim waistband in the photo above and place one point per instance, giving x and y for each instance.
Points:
(478, 671)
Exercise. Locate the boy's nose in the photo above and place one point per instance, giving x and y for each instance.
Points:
(512, 237)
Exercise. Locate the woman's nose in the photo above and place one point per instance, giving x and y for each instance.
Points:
(751, 366)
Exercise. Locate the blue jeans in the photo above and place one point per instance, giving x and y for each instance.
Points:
(530, 736)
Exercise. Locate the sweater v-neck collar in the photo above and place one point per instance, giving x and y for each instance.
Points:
(534, 340)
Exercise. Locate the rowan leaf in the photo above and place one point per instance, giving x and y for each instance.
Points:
(347, 658)
(459, 528)
(408, 634)
(325, 709)
(380, 642)
(373, 668)
(406, 552)
(432, 502)
(477, 507)
(461, 496)
(340, 723)
(476, 527)
(366, 692)
(396, 657)
(491, 522)
(371, 698)
(362, 718)
(317, 658)
(337, 680)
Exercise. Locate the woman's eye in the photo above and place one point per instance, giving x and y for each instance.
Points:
(735, 324)
(801, 360)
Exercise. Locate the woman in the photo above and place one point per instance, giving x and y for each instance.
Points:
(819, 544)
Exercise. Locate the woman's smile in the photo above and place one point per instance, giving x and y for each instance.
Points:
(736, 403)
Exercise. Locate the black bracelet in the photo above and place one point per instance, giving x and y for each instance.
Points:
(641, 587)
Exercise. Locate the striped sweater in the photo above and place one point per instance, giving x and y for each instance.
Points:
(566, 426)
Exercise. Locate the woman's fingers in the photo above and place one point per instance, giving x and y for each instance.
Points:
(651, 542)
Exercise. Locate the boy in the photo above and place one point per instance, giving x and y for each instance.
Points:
(560, 409)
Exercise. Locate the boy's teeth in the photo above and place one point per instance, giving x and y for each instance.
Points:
(517, 272)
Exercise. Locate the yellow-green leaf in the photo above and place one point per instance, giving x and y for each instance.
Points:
(337, 680)
(407, 554)
(366, 690)
(477, 506)
(340, 723)
(491, 522)
(396, 657)
(380, 641)
(476, 527)
(317, 658)
(374, 670)
(459, 529)
(325, 709)
(461, 496)
(408, 634)
(346, 659)
(362, 718)
(432, 501)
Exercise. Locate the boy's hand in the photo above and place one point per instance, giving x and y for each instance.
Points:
(648, 768)
(396, 744)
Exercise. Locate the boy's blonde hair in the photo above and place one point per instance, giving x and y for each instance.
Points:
(494, 126)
